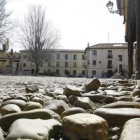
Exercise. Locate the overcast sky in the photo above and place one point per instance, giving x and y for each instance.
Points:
(79, 21)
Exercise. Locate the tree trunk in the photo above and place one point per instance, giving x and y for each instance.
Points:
(138, 39)
(37, 69)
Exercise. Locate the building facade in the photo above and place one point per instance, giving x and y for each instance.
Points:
(9, 61)
(103, 60)
(63, 62)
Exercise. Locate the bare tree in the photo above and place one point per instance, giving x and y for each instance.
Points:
(5, 24)
(38, 36)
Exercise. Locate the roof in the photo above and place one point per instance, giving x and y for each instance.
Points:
(61, 50)
(108, 46)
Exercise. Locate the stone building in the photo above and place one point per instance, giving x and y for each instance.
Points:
(64, 62)
(10, 62)
(103, 60)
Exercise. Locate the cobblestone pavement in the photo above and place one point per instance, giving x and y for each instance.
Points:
(32, 94)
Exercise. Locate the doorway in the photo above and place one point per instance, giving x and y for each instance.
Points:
(110, 73)
(33, 71)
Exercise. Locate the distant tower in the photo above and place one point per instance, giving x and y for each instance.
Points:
(6, 46)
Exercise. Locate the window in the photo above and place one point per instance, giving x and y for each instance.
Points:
(58, 56)
(83, 72)
(120, 66)
(94, 72)
(74, 64)
(27, 70)
(66, 56)
(74, 72)
(24, 64)
(94, 52)
(109, 52)
(66, 72)
(75, 56)
(83, 57)
(57, 71)
(100, 62)
(66, 64)
(120, 57)
(16, 60)
(49, 64)
(57, 64)
(94, 62)
(110, 56)
(3, 60)
(110, 64)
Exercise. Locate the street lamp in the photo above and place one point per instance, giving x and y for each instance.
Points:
(110, 5)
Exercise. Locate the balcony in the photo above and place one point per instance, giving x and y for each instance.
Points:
(110, 56)
(109, 66)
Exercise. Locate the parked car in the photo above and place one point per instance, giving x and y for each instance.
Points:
(80, 75)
